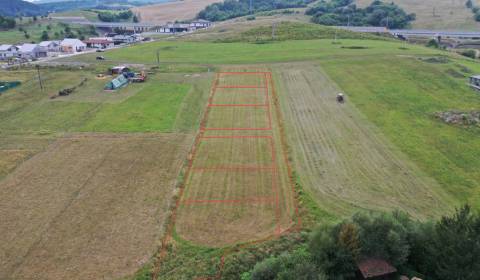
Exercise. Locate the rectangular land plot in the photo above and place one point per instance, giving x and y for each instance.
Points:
(241, 80)
(239, 96)
(234, 152)
(90, 206)
(222, 224)
(224, 186)
(237, 118)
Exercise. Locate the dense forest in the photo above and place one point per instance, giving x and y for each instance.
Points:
(444, 250)
(345, 12)
(237, 8)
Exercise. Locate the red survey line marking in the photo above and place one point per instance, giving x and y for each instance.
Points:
(255, 200)
(215, 93)
(253, 86)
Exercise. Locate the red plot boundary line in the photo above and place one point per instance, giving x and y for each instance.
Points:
(265, 100)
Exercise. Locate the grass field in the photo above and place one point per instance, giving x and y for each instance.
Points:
(344, 161)
(172, 11)
(245, 53)
(89, 207)
(437, 14)
(400, 94)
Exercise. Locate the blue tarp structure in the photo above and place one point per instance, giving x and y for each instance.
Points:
(116, 83)
(4, 86)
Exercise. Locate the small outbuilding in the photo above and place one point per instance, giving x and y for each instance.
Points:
(116, 83)
(119, 70)
(375, 268)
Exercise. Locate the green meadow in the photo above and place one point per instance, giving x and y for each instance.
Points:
(238, 53)
(400, 96)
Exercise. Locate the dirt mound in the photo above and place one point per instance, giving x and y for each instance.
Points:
(460, 118)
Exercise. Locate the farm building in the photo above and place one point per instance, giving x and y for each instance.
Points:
(475, 82)
(117, 83)
(200, 24)
(377, 269)
(8, 51)
(123, 39)
(51, 46)
(174, 28)
(99, 43)
(72, 45)
(29, 51)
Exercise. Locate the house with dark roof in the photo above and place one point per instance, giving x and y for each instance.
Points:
(375, 269)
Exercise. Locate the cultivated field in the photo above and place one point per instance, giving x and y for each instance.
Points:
(91, 206)
(437, 14)
(341, 159)
(172, 11)
(237, 188)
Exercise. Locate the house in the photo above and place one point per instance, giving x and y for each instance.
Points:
(475, 82)
(51, 46)
(373, 268)
(31, 51)
(72, 46)
(174, 28)
(200, 24)
(123, 39)
(8, 51)
(99, 43)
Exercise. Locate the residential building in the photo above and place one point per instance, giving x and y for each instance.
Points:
(8, 51)
(51, 46)
(200, 24)
(99, 43)
(31, 51)
(72, 46)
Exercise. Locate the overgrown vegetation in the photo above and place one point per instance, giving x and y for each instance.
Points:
(107, 16)
(446, 249)
(237, 8)
(346, 12)
(475, 9)
(7, 23)
(296, 31)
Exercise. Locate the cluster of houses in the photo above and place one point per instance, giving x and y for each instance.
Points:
(183, 27)
(66, 46)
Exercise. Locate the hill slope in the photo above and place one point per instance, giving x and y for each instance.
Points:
(13, 8)
(437, 14)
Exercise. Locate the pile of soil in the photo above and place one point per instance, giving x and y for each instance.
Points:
(471, 118)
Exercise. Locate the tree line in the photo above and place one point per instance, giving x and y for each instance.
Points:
(7, 23)
(448, 249)
(115, 17)
(346, 12)
(237, 8)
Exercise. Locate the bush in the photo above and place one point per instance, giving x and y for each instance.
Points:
(469, 53)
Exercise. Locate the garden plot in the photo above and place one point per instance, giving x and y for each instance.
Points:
(236, 189)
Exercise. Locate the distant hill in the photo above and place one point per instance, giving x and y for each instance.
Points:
(12, 8)
(437, 14)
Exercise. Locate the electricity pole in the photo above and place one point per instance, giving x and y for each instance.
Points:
(158, 57)
(39, 77)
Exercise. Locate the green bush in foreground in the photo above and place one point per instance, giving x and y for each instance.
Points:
(447, 249)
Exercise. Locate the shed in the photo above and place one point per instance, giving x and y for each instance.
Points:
(374, 268)
(117, 83)
(119, 69)
(475, 82)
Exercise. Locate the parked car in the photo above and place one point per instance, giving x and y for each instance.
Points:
(100, 50)
(100, 58)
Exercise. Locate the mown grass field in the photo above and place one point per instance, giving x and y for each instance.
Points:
(244, 53)
(400, 95)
